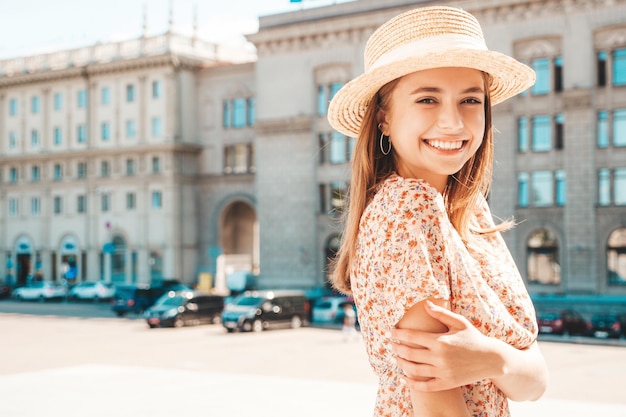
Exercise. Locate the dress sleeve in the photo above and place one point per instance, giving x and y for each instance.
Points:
(413, 251)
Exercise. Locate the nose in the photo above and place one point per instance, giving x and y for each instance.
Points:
(450, 119)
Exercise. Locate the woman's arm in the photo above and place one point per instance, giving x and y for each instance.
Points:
(442, 403)
(462, 355)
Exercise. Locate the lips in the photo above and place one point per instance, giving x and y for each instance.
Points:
(445, 145)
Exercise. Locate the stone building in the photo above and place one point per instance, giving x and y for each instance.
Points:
(248, 166)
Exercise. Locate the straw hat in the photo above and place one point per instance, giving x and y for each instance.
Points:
(424, 38)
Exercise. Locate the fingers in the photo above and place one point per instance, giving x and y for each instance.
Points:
(416, 371)
(410, 337)
(452, 320)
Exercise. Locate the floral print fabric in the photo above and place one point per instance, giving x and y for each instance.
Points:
(407, 251)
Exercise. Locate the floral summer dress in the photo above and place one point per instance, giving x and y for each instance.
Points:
(407, 251)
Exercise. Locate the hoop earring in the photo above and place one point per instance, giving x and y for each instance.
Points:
(382, 148)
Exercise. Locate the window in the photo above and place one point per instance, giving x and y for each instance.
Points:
(616, 257)
(13, 107)
(156, 89)
(81, 203)
(322, 140)
(105, 202)
(238, 159)
(323, 190)
(105, 131)
(105, 96)
(81, 99)
(251, 112)
(338, 192)
(543, 258)
(157, 202)
(602, 129)
(35, 206)
(57, 174)
(81, 133)
(522, 134)
(542, 70)
(58, 101)
(604, 187)
(560, 184)
(104, 169)
(559, 131)
(619, 127)
(601, 68)
(619, 186)
(81, 170)
(522, 189)
(131, 129)
(35, 173)
(543, 194)
(558, 74)
(341, 148)
(619, 67)
(58, 136)
(130, 167)
(227, 115)
(156, 165)
(13, 175)
(130, 93)
(157, 127)
(131, 201)
(239, 112)
(14, 209)
(325, 94)
(58, 204)
(34, 104)
(34, 138)
(12, 140)
(541, 134)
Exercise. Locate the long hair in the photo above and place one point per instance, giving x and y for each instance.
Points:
(462, 193)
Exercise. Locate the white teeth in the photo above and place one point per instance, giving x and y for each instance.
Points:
(445, 144)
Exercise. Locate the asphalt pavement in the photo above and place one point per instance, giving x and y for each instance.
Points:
(57, 363)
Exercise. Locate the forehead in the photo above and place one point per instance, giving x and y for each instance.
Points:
(445, 79)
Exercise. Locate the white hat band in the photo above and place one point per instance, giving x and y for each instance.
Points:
(423, 46)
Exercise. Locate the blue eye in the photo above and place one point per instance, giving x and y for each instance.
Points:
(426, 100)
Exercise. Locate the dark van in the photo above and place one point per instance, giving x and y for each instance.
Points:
(260, 310)
(182, 308)
(138, 297)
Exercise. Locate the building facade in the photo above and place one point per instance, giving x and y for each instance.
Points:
(217, 161)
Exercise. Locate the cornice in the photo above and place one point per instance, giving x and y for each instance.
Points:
(187, 148)
(292, 125)
(298, 31)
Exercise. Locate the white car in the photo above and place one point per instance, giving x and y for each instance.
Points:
(42, 291)
(95, 291)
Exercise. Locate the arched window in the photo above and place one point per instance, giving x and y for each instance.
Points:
(616, 257)
(543, 258)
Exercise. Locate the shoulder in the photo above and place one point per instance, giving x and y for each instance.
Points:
(400, 197)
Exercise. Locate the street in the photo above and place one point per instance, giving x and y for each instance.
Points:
(78, 360)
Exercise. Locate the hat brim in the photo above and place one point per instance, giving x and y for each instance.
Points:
(508, 78)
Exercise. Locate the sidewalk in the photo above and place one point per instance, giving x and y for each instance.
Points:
(152, 392)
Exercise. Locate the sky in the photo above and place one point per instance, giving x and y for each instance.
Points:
(30, 27)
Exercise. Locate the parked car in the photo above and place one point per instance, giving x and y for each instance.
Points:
(181, 308)
(606, 325)
(260, 310)
(40, 291)
(562, 322)
(329, 310)
(5, 290)
(138, 297)
(95, 291)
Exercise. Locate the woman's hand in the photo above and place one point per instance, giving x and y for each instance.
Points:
(442, 361)
(463, 355)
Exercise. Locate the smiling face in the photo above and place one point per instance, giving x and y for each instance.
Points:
(436, 122)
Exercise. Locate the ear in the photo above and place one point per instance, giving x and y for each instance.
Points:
(383, 126)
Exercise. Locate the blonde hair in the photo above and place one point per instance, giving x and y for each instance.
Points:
(369, 167)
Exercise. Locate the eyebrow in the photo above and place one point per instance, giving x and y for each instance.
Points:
(439, 90)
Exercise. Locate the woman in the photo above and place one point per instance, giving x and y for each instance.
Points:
(449, 327)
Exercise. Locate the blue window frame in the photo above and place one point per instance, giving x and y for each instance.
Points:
(619, 127)
(58, 101)
(12, 140)
(58, 172)
(522, 134)
(560, 180)
(105, 131)
(157, 127)
(227, 114)
(543, 191)
(338, 153)
(34, 138)
(619, 186)
(34, 173)
(58, 136)
(105, 96)
(542, 70)
(604, 187)
(542, 133)
(131, 129)
(34, 104)
(239, 112)
(157, 200)
(322, 100)
(13, 107)
(522, 189)
(130, 93)
(81, 99)
(81, 133)
(602, 129)
(251, 112)
(619, 67)
(156, 89)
